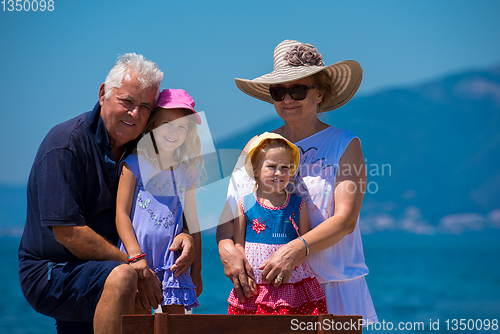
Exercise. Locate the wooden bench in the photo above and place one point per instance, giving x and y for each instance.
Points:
(164, 323)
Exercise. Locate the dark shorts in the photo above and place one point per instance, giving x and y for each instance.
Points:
(73, 289)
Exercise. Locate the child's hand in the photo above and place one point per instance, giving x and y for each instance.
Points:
(142, 268)
(198, 282)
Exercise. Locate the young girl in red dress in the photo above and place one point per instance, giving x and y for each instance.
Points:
(268, 218)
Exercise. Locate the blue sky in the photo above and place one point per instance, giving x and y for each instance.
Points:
(52, 63)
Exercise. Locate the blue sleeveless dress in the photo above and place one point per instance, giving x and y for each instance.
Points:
(156, 216)
(267, 229)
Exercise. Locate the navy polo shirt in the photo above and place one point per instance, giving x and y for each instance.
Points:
(73, 182)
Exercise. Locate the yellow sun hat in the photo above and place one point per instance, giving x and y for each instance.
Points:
(260, 140)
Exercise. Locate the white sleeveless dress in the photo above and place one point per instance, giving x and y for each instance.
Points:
(341, 268)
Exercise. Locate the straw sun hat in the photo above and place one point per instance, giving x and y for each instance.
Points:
(294, 60)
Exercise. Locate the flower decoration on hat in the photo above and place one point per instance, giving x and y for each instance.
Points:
(302, 55)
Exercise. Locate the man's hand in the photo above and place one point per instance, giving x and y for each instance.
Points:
(237, 269)
(185, 242)
(142, 268)
(149, 294)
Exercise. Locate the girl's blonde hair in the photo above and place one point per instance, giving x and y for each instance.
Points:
(189, 152)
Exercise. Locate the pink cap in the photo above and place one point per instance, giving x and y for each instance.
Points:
(177, 99)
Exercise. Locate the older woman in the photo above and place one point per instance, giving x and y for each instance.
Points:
(331, 178)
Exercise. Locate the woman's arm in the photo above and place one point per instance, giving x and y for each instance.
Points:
(191, 214)
(124, 200)
(348, 197)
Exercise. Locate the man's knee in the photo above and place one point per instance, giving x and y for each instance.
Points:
(124, 278)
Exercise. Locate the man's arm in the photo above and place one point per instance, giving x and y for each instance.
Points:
(184, 242)
(236, 266)
(86, 244)
(59, 175)
(83, 242)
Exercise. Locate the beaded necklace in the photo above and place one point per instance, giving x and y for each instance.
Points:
(161, 188)
(167, 220)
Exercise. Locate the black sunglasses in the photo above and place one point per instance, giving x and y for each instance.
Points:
(296, 92)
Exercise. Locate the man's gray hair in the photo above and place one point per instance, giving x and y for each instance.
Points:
(147, 72)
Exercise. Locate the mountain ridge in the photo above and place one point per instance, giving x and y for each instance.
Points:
(441, 139)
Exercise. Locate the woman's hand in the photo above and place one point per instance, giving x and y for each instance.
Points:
(197, 281)
(185, 242)
(283, 262)
(237, 269)
(142, 268)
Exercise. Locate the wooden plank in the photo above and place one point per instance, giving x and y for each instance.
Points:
(242, 324)
(162, 322)
(228, 324)
(323, 319)
(341, 324)
(140, 323)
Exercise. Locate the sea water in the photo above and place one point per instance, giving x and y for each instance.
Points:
(413, 279)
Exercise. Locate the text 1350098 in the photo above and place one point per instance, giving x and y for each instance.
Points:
(28, 5)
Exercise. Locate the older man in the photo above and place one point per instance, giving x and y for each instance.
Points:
(69, 266)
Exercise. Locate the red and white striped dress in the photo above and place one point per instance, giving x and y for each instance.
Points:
(268, 228)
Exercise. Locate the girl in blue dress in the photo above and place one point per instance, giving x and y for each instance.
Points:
(268, 218)
(157, 198)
